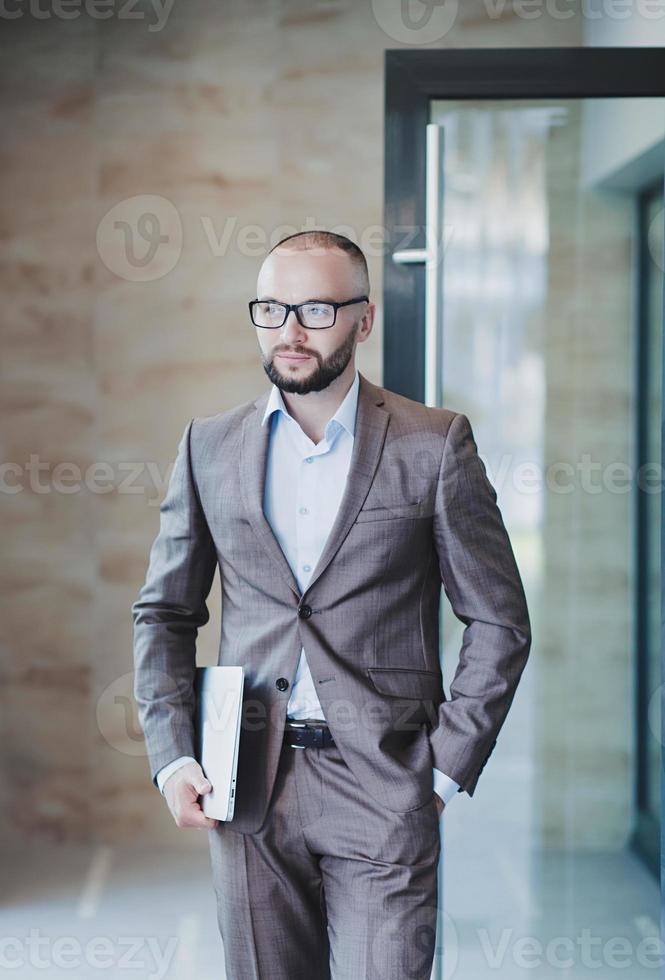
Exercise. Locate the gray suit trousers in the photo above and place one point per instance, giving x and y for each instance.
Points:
(332, 885)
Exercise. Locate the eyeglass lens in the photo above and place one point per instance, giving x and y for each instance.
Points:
(311, 314)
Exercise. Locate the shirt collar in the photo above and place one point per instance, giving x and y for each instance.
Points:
(345, 415)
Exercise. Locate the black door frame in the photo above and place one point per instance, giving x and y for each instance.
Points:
(413, 78)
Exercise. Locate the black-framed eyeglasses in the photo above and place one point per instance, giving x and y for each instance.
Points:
(313, 315)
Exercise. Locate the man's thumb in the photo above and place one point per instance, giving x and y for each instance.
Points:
(203, 785)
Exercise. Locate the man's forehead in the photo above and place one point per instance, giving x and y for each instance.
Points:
(290, 266)
(314, 257)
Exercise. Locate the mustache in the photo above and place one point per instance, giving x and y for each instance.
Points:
(300, 350)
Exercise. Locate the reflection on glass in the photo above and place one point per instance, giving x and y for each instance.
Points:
(539, 336)
(653, 303)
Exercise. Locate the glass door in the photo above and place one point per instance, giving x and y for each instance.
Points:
(541, 302)
(538, 347)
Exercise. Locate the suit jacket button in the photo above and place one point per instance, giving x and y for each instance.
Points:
(304, 612)
(282, 683)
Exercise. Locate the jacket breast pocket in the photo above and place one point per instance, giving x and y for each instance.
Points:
(396, 512)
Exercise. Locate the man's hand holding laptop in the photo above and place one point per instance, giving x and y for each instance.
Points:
(182, 790)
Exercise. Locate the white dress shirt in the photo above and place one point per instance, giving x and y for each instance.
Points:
(304, 485)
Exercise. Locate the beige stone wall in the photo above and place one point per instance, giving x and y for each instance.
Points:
(264, 114)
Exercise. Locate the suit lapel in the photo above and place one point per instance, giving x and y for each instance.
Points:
(371, 426)
(253, 455)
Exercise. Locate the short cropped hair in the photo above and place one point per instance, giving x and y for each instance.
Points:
(303, 240)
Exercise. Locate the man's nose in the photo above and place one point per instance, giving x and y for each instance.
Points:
(292, 329)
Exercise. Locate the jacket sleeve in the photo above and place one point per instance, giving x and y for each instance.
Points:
(170, 608)
(481, 579)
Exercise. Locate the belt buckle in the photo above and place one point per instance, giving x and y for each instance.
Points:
(297, 724)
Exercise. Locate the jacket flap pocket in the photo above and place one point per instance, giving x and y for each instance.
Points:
(406, 682)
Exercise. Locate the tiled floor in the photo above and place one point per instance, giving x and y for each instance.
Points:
(152, 914)
(514, 910)
(589, 916)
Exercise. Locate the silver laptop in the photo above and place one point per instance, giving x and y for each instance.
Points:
(218, 716)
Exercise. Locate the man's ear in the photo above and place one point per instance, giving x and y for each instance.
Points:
(369, 317)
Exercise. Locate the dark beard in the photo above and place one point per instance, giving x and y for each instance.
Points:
(325, 373)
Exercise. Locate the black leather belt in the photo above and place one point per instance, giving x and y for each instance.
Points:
(307, 734)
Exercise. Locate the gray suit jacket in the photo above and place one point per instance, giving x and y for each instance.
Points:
(418, 510)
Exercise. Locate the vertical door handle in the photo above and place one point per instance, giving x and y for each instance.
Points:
(432, 257)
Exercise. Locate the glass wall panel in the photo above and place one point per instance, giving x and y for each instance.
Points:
(540, 876)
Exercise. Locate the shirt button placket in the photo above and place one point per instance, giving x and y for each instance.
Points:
(303, 529)
(305, 492)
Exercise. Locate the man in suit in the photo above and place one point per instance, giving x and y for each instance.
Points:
(335, 510)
